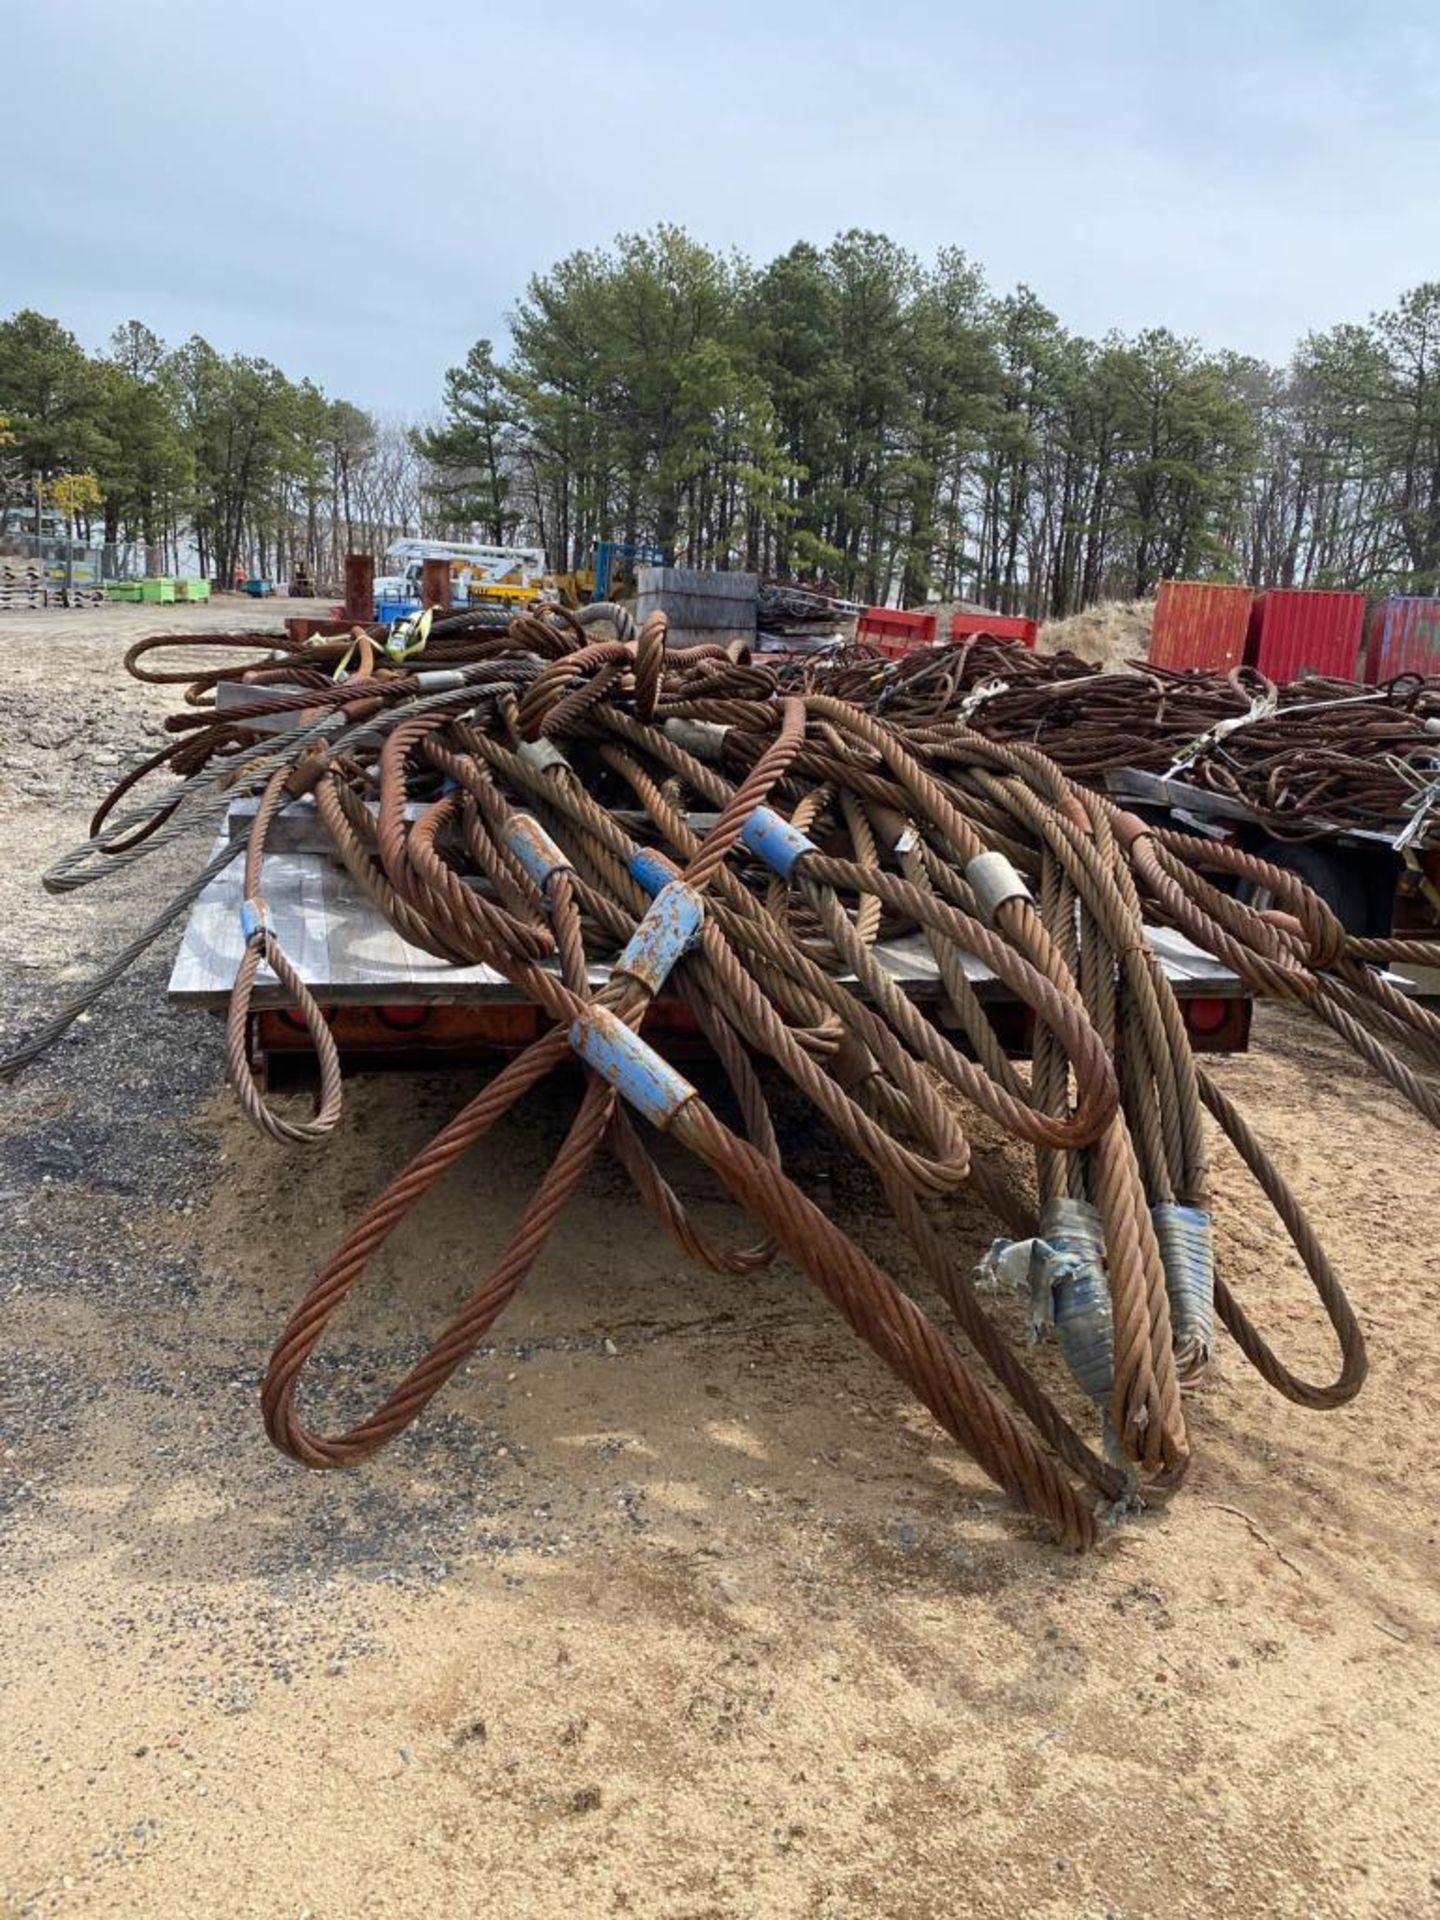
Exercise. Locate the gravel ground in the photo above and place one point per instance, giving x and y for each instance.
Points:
(672, 1605)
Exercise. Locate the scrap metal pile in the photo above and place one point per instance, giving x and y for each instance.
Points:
(567, 793)
(1312, 757)
(802, 619)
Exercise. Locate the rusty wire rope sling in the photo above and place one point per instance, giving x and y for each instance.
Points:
(1386, 740)
(143, 831)
(1315, 756)
(1125, 1247)
(1153, 1416)
(598, 1030)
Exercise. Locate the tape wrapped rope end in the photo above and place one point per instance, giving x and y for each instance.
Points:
(1073, 1274)
(1187, 1253)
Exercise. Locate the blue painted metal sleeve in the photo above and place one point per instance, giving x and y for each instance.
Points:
(668, 930)
(252, 918)
(774, 841)
(533, 848)
(652, 869)
(631, 1065)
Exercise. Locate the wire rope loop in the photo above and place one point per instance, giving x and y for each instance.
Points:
(262, 947)
(650, 665)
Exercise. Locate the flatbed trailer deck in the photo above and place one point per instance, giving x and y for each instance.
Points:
(1381, 881)
(391, 1004)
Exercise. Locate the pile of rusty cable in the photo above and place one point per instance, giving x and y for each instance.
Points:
(1091, 721)
(676, 822)
(1312, 757)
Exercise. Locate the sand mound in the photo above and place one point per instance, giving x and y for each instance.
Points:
(1109, 633)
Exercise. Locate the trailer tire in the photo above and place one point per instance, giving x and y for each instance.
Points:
(1334, 876)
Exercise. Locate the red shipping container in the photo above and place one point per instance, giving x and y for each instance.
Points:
(1296, 630)
(1002, 626)
(1404, 638)
(894, 631)
(1199, 624)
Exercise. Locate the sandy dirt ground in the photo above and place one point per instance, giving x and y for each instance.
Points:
(673, 1605)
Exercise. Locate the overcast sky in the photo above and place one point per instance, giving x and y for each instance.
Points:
(358, 191)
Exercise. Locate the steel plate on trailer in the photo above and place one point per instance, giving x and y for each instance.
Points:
(347, 952)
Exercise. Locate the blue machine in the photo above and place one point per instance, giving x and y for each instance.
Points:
(608, 552)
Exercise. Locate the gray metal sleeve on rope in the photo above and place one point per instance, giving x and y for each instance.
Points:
(1187, 1252)
(543, 755)
(1072, 1269)
(704, 738)
(993, 880)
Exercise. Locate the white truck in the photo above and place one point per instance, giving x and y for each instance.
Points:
(477, 572)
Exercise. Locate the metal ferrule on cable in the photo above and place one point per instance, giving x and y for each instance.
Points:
(771, 838)
(1187, 1251)
(532, 846)
(613, 1049)
(1069, 1270)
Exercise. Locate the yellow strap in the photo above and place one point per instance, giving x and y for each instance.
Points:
(408, 637)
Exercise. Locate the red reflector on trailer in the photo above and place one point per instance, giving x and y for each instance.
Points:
(1205, 1015)
(402, 1019)
(296, 1020)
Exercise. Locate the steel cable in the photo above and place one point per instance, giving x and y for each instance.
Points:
(748, 845)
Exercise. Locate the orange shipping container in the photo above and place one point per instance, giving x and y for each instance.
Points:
(1199, 624)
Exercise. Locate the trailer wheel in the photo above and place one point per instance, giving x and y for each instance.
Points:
(1335, 876)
